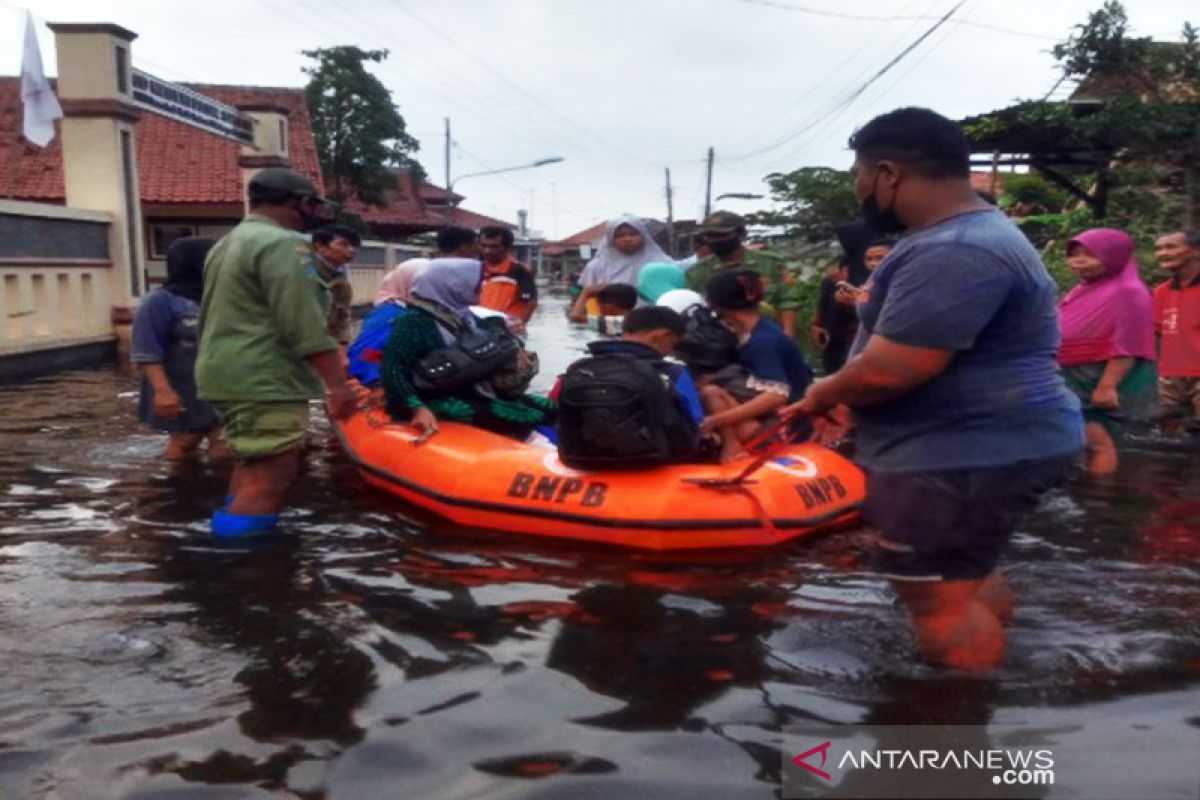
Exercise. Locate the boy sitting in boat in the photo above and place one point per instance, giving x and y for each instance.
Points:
(625, 406)
(777, 371)
(613, 302)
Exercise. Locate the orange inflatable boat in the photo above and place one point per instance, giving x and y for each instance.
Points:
(480, 480)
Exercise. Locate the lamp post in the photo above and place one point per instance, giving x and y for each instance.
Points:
(541, 162)
(740, 196)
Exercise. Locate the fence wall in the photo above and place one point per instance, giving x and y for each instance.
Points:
(55, 277)
(373, 261)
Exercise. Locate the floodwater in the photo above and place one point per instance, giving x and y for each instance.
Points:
(363, 655)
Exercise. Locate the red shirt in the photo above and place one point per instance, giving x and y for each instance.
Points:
(1177, 320)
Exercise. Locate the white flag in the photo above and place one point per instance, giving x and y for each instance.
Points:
(41, 106)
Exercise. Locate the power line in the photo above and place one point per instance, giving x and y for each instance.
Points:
(803, 145)
(476, 109)
(848, 99)
(817, 84)
(820, 12)
(495, 73)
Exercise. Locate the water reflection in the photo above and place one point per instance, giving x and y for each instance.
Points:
(366, 655)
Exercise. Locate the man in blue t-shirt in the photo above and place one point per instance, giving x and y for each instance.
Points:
(962, 419)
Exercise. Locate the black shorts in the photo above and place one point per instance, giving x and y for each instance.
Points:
(953, 525)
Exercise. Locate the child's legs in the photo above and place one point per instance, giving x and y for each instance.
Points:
(181, 444)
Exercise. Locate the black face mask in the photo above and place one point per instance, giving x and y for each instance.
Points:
(882, 220)
(723, 247)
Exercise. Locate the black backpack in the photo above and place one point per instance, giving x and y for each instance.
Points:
(706, 344)
(477, 354)
(616, 411)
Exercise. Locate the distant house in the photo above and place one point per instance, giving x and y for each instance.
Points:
(414, 207)
(567, 257)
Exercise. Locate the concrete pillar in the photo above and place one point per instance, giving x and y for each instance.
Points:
(100, 148)
(270, 141)
(100, 166)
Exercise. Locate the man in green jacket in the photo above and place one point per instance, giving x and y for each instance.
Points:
(265, 348)
(724, 233)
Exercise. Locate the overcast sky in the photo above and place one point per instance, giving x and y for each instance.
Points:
(619, 88)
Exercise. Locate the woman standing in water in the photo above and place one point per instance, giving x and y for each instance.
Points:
(627, 248)
(1107, 351)
(166, 331)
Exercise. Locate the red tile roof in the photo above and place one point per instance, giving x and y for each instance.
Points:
(431, 192)
(470, 219)
(176, 162)
(406, 208)
(588, 236)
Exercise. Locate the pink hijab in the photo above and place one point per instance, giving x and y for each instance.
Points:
(396, 285)
(1113, 316)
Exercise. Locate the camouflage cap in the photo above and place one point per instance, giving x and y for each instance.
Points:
(722, 222)
(279, 182)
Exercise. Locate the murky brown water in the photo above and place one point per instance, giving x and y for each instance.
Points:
(363, 655)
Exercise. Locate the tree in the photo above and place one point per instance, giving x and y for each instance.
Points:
(359, 132)
(1144, 108)
(813, 200)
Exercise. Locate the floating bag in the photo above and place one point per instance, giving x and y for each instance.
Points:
(476, 355)
(617, 412)
(706, 344)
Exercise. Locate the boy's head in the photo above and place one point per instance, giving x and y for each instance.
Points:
(616, 299)
(734, 290)
(337, 244)
(656, 326)
(876, 253)
(457, 242)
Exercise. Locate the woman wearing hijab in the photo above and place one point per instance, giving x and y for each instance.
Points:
(1107, 350)
(627, 248)
(367, 349)
(658, 278)
(165, 335)
(437, 311)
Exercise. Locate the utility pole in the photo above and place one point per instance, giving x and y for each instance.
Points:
(670, 218)
(707, 184)
(448, 146)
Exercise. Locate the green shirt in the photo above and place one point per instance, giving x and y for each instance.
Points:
(782, 287)
(264, 312)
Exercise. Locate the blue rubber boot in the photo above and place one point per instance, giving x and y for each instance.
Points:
(226, 525)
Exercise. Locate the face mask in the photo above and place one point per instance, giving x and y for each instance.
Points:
(723, 247)
(881, 220)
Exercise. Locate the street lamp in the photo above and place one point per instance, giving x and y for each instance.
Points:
(541, 162)
(740, 196)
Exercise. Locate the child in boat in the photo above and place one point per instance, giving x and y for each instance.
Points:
(613, 302)
(777, 371)
(615, 413)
